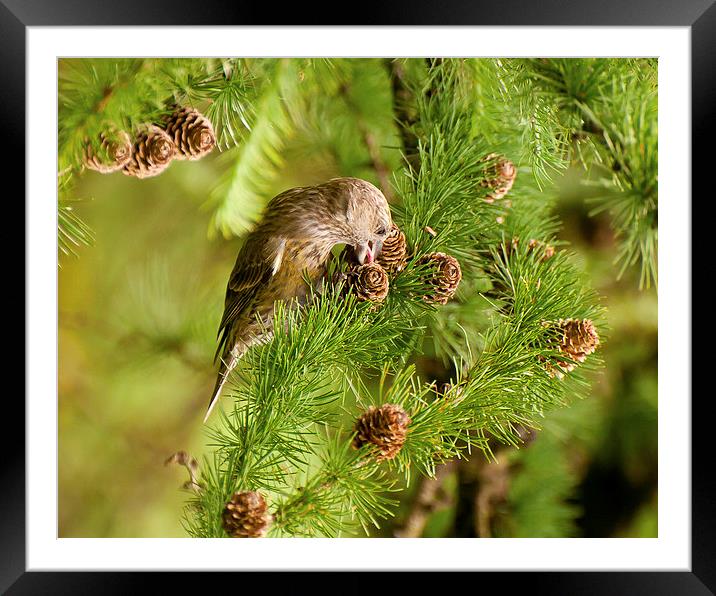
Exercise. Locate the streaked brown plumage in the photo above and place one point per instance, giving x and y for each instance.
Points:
(299, 229)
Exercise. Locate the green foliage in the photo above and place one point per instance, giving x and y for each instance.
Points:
(239, 199)
(542, 113)
(342, 493)
(329, 108)
(283, 389)
(284, 416)
(630, 138)
(608, 107)
(539, 494)
(124, 94)
(101, 95)
(72, 232)
(294, 398)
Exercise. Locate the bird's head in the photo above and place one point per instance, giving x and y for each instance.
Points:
(346, 211)
(367, 218)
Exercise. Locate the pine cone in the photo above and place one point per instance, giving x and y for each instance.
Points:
(370, 282)
(392, 255)
(384, 427)
(444, 276)
(499, 177)
(114, 152)
(246, 515)
(152, 153)
(191, 132)
(579, 338)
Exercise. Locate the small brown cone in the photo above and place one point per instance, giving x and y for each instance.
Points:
(578, 339)
(385, 428)
(152, 153)
(369, 282)
(114, 153)
(444, 275)
(499, 177)
(392, 255)
(191, 132)
(246, 515)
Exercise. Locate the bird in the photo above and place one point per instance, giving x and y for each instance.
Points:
(290, 246)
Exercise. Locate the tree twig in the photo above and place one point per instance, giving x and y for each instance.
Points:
(429, 499)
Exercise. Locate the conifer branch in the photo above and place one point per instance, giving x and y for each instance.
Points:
(285, 392)
(613, 105)
(289, 431)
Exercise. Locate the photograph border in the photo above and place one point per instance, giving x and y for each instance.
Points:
(702, 19)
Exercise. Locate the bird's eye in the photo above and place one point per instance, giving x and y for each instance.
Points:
(381, 231)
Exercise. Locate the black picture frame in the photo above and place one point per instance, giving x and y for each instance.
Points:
(699, 15)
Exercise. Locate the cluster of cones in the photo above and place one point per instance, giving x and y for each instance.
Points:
(371, 281)
(183, 134)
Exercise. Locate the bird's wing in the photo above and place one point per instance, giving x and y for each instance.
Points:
(250, 274)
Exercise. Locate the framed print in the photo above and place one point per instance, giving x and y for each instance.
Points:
(449, 319)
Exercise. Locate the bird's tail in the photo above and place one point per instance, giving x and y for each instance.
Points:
(228, 363)
(224, 370)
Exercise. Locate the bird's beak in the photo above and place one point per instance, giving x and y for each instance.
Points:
(365, 252)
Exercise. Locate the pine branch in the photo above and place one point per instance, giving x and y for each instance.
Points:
(350, 124)
(281, 109)
(344, 492)
(72, 232)
(612, 104)
(230, 90)
(287, 391)
(404, 108)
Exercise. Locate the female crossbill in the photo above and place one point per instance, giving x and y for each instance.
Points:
(293, 242)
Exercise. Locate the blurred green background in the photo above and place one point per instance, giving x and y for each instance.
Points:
(138, 314)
